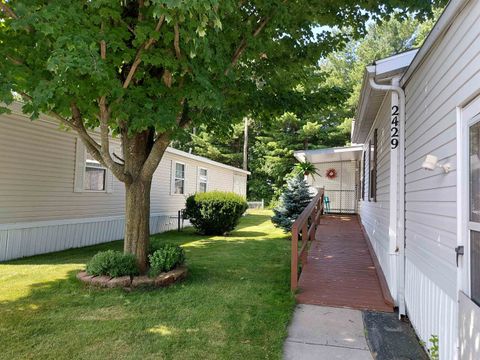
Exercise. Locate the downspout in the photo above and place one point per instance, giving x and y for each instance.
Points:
(401, 183)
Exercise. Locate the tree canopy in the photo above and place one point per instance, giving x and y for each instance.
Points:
(324, 120)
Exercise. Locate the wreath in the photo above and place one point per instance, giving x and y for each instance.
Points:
(331, 174)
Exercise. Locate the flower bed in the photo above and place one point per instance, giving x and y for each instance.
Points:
(131, 282)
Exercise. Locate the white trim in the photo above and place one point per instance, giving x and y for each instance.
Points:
(394, 181)
(395, 63)
(205, 160)
(174, 177)
(466, 117)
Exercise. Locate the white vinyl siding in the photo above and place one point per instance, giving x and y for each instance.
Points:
(448, 77)
(375, 215)
(32, 192)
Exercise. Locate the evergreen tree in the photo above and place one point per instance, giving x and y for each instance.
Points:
(293, 201)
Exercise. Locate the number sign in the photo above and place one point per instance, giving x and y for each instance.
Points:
(394, 128)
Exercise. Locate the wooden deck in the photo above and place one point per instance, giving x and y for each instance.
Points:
(340, 270)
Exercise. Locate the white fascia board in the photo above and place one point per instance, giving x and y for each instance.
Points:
(453, 8)
(362, 105)
(395, 63)
(205, 160)
(300, 155)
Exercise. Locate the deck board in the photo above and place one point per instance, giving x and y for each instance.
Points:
(340, 271)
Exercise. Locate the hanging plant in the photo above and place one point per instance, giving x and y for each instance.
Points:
(306, 168)
(331, 173)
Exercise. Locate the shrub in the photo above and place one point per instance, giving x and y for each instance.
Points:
(292, 202)
(165, 258)
(215, 212)
(112, 263)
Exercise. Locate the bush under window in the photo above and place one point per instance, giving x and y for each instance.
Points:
(165, 258)
(112, 263)
(215, 212)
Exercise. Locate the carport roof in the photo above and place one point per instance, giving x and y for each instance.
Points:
(346, 153)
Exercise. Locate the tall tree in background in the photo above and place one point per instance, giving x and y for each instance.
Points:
(323, 117)
(145, 70)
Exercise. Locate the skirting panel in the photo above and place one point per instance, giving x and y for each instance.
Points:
(27, 239)
(431, 311)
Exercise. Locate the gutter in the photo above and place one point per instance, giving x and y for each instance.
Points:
(395, 87)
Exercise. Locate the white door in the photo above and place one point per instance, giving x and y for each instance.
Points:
(468, 251)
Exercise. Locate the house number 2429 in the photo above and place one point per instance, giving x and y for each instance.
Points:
(394, 128)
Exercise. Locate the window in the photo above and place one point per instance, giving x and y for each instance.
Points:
(179, 179)
(373, 168)
(95, 175)
(202, 180)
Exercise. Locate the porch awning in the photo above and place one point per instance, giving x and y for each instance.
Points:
(330, 154)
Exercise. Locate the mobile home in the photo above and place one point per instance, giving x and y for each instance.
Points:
(418, 119)
(54, 196)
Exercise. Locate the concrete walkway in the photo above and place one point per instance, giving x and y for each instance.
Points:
(326, 333)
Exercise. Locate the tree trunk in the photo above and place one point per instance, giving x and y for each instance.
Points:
(137, 221)
(245, 144)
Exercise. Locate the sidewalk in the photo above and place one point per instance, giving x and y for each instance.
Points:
(319, 332)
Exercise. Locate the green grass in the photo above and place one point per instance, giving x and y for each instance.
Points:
(235, 303)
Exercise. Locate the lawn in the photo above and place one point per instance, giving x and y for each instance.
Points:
(235, 303)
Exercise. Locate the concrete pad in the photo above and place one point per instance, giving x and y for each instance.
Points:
(328, 326)
(298, 351)
(319, 332)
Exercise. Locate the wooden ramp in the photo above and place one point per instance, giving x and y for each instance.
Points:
(340, 270)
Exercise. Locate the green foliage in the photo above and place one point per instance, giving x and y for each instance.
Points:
(112, 263)
(306, 168)
(215, 212)
(293, 201)
(51, 53)
(434, 349)
(231, 305)
(346, 67)
(165, 258)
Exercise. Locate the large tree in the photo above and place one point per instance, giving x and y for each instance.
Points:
(144, 70)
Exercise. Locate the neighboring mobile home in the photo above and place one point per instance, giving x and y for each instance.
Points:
(54, 196)
(422, 217)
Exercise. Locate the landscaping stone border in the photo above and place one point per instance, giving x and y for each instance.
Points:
(162, 280)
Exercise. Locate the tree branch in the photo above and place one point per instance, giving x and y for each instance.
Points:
(15, 61)
(243, 43)
(117, 169)
(176, 41)
(153, 159)
(145, 46)
(7, 10)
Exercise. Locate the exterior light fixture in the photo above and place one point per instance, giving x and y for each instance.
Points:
(431, 163)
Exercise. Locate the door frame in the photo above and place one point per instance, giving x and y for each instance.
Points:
(467, 116)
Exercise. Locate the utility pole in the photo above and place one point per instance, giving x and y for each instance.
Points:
(245, 144)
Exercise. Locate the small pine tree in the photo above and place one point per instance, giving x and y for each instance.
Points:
(293, 201)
